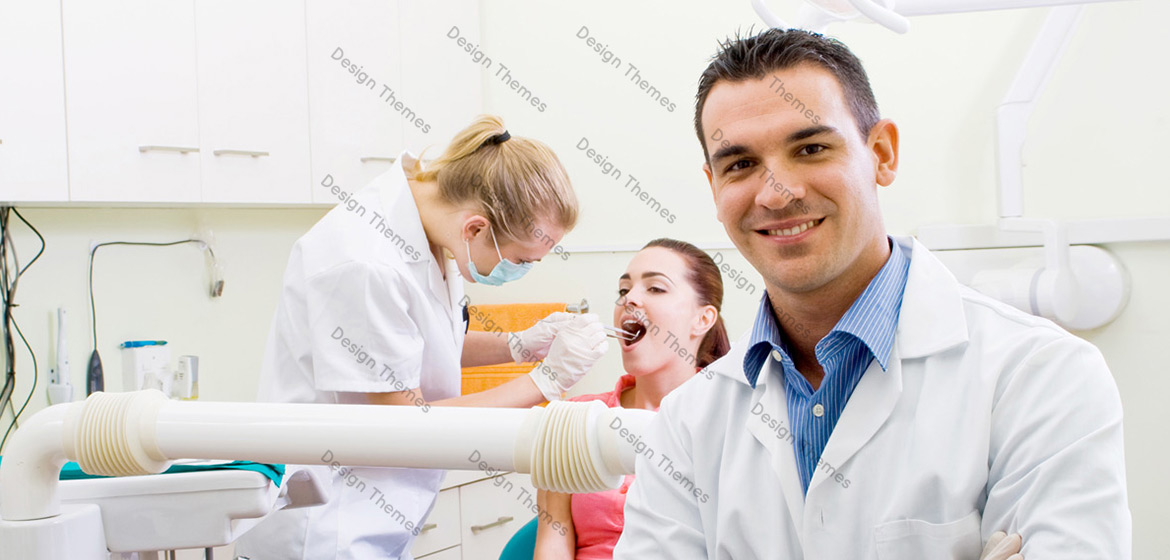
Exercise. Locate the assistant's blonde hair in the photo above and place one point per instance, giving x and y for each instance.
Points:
(514, 183)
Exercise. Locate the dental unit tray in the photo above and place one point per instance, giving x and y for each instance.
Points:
(196, 509)
(191, 505)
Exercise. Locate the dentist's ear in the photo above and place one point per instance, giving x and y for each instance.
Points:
(883, 141)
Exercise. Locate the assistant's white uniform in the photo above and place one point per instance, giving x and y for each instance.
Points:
(987, 419)
(362, 311)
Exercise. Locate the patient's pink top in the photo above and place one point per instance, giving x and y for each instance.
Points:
(598, 518)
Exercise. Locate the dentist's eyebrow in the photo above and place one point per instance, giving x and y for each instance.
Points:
(728, 151)
(810, 132)
(802, 134)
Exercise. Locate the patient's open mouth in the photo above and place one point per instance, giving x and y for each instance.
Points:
(634, 327)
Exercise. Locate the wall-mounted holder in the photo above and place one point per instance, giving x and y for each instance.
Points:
(1078, 288)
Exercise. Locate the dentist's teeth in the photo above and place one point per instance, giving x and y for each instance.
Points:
(793, 230)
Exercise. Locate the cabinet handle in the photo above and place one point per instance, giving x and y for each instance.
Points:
(180, 149)
(378, 158)
(238, 153)
(428, 527)
(502, 520)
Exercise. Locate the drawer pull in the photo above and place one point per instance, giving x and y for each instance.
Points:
(428, 527)
(379, 158)
(239, 153)
(502, 520)
(180, 149)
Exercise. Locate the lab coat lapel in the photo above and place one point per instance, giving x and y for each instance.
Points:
(454, 286)
(931, 320)
(402, 215)
(769, 398)
(869, 407)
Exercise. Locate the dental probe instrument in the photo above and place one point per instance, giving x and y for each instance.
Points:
(615, 332)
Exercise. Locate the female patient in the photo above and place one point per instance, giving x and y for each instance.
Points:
(669, 298)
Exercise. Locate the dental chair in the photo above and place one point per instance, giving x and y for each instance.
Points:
(522, 545)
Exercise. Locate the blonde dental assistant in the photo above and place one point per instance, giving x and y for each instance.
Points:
(370, 314)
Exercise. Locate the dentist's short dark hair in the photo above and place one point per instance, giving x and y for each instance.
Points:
(752, 58)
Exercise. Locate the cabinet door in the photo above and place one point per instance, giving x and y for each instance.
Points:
(492, 511)
(130, 97)
(32, 103)
(441, 528)
(442, 83)
(253, 101)
(355, 78)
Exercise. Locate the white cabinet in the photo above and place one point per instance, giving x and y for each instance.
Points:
(441, 529)
(449, 554)
(386, 81)
(32, 103)
(484, 512)
(355, 72)
(441, 82)
(492, 511)
(218, 101)
(187, 101)
(130, 91)
(253, 103)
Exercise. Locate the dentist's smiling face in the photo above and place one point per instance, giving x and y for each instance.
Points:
(797, 194)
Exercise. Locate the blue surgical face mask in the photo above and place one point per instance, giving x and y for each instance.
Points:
(504, 271)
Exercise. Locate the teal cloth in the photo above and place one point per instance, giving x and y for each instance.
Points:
(72, 471)
(522, 546)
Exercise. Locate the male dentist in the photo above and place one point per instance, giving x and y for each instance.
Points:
(877, 409)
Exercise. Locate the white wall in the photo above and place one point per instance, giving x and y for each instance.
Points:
(1093, 153)
(153, 292)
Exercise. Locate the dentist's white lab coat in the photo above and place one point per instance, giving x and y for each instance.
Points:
(987, 419)
(364, 309)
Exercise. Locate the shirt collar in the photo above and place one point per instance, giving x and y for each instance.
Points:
(872, 319)
(400, 212)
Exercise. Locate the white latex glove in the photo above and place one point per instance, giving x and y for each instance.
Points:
(532, 344)
(580, 342)
(1002, 547)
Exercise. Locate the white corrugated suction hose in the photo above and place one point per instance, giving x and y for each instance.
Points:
(115, 434)
(567, 453)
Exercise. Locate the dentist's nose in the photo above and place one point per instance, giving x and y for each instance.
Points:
(777, 190)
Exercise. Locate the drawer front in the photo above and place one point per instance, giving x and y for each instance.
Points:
(441, 529)
(493, 510)
(449, 554)
(459, 478)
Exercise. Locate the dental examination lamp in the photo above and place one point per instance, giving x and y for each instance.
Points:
(567, 447)
(816, 15)
(1075, 284)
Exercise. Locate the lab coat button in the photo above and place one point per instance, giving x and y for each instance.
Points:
(818, 410)
(776, 355)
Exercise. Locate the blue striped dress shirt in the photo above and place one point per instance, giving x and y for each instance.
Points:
(864, 333)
